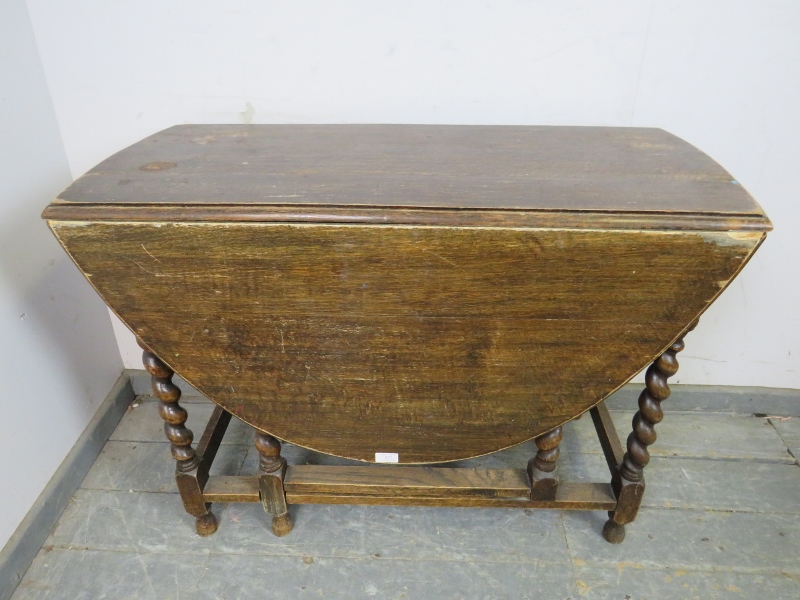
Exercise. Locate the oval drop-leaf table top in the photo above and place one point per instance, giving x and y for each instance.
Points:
(431, 291)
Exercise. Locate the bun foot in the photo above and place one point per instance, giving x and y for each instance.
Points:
(282, 525)
(206, 525)
(613, 533)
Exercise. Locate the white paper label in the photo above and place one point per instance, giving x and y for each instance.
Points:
(386, 457)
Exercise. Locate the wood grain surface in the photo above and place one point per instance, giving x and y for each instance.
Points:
(408, 481)
(570, 496)
(436, 343)
(434, 166)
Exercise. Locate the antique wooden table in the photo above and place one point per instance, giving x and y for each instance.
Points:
(411, 295)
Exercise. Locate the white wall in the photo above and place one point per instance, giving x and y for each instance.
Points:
(58, 355)
(722, 74)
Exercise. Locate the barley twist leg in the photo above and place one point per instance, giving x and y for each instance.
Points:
(180, 437)
(628, 482)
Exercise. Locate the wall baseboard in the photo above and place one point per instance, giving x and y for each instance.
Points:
(22, 547)
(716, 398)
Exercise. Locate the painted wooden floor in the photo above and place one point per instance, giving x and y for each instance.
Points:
(721, 519)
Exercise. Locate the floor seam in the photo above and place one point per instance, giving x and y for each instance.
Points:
(372, 557)
(538, 562)
(196, 589)
(644, 506)
(573, 566)
(785, 444)
(690, 568)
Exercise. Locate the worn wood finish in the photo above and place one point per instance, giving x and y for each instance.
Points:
(190, 471)
(446, 166)
(628, 478)
(435, 343)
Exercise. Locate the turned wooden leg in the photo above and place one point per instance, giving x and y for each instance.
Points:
(189, 472)
(270, 483)
(542, 467)
(628, 480)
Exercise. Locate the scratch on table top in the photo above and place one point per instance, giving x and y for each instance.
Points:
(149, 254)
(440, 257)
(145, 269)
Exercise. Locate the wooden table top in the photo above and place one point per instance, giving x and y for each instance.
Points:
(428, 292)
(263, 170)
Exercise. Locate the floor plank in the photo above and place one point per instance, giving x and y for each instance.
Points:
(691, 540)
(98, 575)
(316, 577)
(148, 466)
